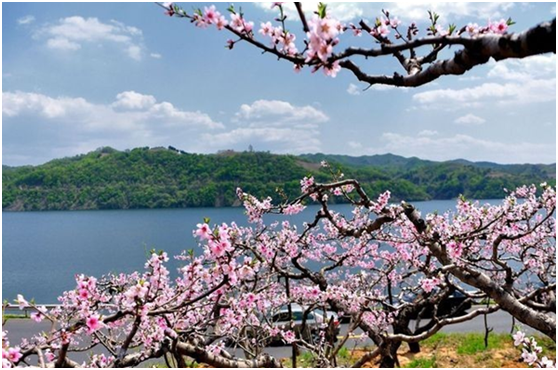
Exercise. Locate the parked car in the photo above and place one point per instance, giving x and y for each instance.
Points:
(452, 306)
(315, 319)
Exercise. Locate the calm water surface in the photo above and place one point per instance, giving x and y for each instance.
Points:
(42, 251)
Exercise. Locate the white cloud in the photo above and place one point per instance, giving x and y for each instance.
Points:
(62, 44)
(417, 10)
(275, 125)
(511, 82)
(355, 144)
(428, 133)
(72, 33)
(133, 100)
(341, 11)
(49, 125)
(277, 112)
(464, 146)
(155, 55)
(469, 78)
(470, 119)
(276, 139)
(353, 89)
(134, 52)
(19, 103)
(26, 20)
(531, 68)
(532, 91)
(407, 11)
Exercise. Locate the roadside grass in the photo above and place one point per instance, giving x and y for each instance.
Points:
(8, 316)
(466, 343)
(422, 363)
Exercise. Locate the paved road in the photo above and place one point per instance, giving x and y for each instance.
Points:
(500, 321)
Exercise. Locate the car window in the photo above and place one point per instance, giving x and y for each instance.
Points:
(299, 316)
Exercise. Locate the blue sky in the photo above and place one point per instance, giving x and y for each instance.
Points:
(78, 76)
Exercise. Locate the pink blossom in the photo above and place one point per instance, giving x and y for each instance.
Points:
(306, 183)
(454, 249)
(518, 338)
(36, 316)
(93, 323)
(203, 231)
(200, 21)
(170, 9)
(211, 15)
(293, 209)
(332, 69)
(289, 336)
(381, 31)
(394, 22)
(499, 27)
(529, 357)
(49, 355)
(221, 22)
(266, 29)
(429, 284)
(21, 302)
(473, 29)
(83, 294)
(14, 354)
(217, 249)
(441, 31)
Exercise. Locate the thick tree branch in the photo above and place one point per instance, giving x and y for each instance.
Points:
(537, 40)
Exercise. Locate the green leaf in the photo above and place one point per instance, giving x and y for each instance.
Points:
(509, 22)
(322, 10)
(206, 220)
(452, 28)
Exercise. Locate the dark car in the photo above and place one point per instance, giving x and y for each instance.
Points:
(454, 305)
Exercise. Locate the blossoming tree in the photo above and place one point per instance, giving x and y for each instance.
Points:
(380, 266)
(364, 265)
(321, 47)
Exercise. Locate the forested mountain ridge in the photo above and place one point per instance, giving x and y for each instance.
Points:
(170, 178)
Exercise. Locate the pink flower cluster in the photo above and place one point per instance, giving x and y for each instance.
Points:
(280, 38)
(209, 16)
(10, 355)
(428, 285)
(530, 351)
(321, 40)
(499, 27)
(306, 183)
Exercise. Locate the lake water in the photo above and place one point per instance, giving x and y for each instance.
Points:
(42, 251)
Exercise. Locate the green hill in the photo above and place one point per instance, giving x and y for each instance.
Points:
(170, 178)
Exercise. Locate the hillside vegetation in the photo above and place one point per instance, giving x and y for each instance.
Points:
(169, 178)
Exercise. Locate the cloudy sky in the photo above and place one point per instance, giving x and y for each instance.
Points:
(79, 76)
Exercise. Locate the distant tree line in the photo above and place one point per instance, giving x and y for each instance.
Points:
(172, 178)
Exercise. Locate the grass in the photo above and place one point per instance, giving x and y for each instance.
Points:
(467, 343)
(474, 343)
(306, 359)
(8, 316)
(422, 363)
